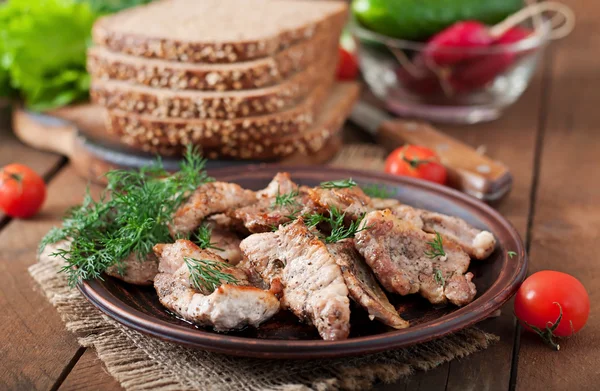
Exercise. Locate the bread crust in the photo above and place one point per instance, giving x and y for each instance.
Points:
(211, 52)
(304, 129)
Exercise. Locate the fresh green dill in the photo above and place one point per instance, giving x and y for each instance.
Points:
(130, 217)
(438, 276)
(208, 275)
(437, 247)
(511, 254)
(285, 200)
(377, 191)
(339, 184)
(336, 220)
(203, 237)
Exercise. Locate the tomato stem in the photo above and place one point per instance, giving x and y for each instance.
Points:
(414, 162)
(547, 334)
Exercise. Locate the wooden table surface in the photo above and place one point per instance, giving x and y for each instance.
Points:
(550, 140)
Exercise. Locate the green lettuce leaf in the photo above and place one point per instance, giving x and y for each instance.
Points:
(43, 47)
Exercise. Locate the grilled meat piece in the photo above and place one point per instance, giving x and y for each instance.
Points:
(230, 306)
(268, 213)
(384, 203)
(477, 243)
(362, 285)
(397, 251)
(312, 282)
(351, 201)
(280, 184)
(224, 243)
(210, 198)
(134, 270)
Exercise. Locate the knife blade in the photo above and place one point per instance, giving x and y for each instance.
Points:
(468, 170)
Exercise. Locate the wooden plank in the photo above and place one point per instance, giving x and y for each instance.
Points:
(37, 347)
(566, 229)
(89, 374)
(512, 140)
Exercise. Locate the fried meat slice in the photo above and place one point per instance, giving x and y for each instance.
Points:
(351, 201)
(400, 255)
(232, 305)
(210, 198)
(363, 286)
(134, 270)
(477, 243)
(312, 282)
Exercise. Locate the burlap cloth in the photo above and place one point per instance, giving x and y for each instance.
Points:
(139, 362)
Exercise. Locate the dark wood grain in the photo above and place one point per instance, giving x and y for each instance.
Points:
(89, 374)
(512, 140)
(36, 347)
(565, 229)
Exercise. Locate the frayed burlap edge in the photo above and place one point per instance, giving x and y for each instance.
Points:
(139, 362)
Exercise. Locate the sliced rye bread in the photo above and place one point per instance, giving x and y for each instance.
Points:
(217, 31)
(162, 103)
(168, 135)
(260, 73)
(327, 124)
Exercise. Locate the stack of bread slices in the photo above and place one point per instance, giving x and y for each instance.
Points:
(243, 79)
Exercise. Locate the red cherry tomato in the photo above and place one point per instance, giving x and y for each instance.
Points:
(541, 299)
(22, 191)
(347, 66)
(454, 44)
(417, 162)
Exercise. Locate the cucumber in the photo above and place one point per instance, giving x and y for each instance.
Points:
(418, 20)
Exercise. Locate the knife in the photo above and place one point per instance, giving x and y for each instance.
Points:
(468, 170)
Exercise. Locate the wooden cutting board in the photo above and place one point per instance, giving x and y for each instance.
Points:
(78, 132)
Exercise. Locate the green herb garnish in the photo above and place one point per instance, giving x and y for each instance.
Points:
(284, 200)
(437, 247)
(208, 275)
(438, 276)
(203, 238)
(340, 184)
(378, 191)
(130, 217)
(511, 254)
(336, 218)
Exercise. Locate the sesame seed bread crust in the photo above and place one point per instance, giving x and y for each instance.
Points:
(104, 64)
(168, 135)
(217, 31)
(161, 103)
(265, 138)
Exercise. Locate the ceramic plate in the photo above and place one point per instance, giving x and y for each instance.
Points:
(497, 279)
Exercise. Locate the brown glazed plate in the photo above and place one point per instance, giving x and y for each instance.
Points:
(497, 279)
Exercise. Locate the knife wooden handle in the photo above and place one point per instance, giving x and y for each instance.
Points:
(468, 170)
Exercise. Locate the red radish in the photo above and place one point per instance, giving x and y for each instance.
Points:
(453, 44)
(512, 35)
(477, 73)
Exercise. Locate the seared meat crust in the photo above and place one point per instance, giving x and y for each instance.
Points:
(362, 285)
(396, 251)
(312, 282)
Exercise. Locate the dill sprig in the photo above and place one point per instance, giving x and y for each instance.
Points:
(208, 275)
(335, 219)
(203, 237)
(339, 184)
(437, 247)
(438, 276)
(511, 254)
(286, 199)
(378, 191)
(130, 217)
